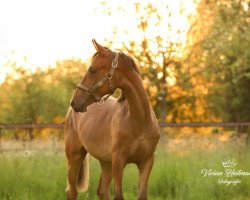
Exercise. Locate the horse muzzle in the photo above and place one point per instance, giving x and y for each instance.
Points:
(78, 107)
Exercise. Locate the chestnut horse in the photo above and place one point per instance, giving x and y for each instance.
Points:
(116, 132)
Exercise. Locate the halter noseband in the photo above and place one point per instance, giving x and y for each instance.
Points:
(92, 89)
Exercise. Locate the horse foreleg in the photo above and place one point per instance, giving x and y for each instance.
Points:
(144, 172)
(74, 162)
(105, 179)
(118, 165)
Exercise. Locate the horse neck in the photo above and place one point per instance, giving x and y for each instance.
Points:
(136, 99)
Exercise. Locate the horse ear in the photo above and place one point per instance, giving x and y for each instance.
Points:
(99, 48)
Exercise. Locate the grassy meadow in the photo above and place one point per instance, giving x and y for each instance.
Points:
(41, 174)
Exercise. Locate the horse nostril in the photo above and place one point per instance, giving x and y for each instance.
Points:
(72, 103)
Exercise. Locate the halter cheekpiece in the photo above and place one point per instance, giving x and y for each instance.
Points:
(91, 91)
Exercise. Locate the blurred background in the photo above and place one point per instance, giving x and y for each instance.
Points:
(194, 59)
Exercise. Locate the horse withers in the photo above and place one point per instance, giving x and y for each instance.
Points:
(114, 131)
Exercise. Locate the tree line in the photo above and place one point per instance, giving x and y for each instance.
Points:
(207, 78)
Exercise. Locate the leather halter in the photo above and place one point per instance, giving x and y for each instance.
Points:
(91, 91)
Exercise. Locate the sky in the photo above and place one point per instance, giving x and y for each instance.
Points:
(44, 31)
(47, 30)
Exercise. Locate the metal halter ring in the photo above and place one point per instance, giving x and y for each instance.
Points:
(101, 102)
(109, 76)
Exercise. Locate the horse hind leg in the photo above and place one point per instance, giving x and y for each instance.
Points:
(105, 180)
(83, 175)
(75, 167)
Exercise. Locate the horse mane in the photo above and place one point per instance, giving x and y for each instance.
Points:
(130, 63)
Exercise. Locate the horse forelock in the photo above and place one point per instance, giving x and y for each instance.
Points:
(97, 53)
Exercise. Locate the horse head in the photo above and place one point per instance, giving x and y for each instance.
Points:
(99, 80)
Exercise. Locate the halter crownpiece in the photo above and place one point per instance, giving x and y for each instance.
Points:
(92, 89)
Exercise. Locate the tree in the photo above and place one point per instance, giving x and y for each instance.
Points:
(227, 58)
(160, 51)
(40, 96)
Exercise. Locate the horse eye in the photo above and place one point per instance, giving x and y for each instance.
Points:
(92, 70)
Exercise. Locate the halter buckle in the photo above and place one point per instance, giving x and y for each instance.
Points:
(90, 91)
(115, 63)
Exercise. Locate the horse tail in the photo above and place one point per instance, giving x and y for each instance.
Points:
(83, 175)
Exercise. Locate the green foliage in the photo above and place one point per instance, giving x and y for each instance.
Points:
(168, 55)
(42, 96)
(210, 80)
(43, 176)
(33, 177)
(203, 77)
(228, 59)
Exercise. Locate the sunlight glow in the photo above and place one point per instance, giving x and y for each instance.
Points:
(37, 33)
(45, 31)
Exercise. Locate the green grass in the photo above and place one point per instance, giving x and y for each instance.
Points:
(42, 176)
